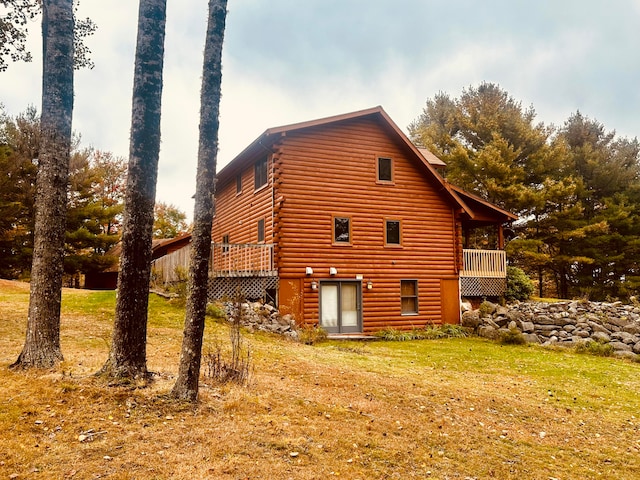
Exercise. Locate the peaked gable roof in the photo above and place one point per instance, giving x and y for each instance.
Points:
(485, 212)
(264, 142)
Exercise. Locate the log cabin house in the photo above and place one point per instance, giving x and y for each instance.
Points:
(348, 225)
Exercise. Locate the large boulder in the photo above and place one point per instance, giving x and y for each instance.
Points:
(471, 319)
(601, 337)
(624, 337)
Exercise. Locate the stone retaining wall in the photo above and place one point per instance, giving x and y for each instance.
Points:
(562, 323)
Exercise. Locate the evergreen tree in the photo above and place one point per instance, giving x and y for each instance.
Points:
(186, 386)
(42, 344)
(127, 356)
(576, 188)
(95, 202)
(489, 142)
(19, 145)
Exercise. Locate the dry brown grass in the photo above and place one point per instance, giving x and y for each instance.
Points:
(446, 409)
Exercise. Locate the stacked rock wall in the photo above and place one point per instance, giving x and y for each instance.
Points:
(562, 323)
(262, 316)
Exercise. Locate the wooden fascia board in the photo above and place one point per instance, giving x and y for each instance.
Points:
(465, 208)
(261, 144)
(270, 135)
(430, 169)
(324, 121)
(510, 216)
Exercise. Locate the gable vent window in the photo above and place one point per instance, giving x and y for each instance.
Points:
(385, 169)
(260, 173)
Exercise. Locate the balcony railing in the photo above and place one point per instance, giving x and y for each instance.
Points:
(241, 260)
(226, 260)
(484, 263)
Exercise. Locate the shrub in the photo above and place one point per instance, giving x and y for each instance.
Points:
(311, 334)
(216, 311)
(395, 335)
(592, 347)
(238, 367)
(519, 285)
(486, 308)
(512, 337)
(430, 332)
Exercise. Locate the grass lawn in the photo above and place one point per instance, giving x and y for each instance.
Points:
(441, 409)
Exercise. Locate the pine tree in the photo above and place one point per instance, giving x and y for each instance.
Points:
(186, 386)
(127, 356)
(42, 344)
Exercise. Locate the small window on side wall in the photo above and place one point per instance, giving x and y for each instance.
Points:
(239, 183)
(260, 173)
(225, 243)
(385, 170)
(409, 297)
(342, 230)
(392, 233)
(261, 230)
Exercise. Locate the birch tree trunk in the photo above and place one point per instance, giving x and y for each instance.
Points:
(186, 386)
(42, 345)
(127, 356)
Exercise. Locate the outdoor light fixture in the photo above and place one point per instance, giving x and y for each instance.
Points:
(333, 271)
(309, 271)
(314, 285)
(369, 285)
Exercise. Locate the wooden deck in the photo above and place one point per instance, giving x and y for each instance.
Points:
(484, 263)
(226, 260)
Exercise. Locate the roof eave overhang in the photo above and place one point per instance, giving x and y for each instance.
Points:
(269, 137)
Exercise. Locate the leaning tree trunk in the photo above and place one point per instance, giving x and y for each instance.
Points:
(127, 356)
(42, 345)
(186, 386)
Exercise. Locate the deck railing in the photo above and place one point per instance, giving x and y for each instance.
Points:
(246, 259)
(241, 260)
(484, 263)
(226, 260)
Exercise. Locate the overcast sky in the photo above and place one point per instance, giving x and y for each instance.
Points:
(287, 61)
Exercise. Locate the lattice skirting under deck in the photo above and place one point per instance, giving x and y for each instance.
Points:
(482, 287)
(248, 287)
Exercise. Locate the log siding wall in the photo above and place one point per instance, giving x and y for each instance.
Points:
(237, 214)
(331, 170)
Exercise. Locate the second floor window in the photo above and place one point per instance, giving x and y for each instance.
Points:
(261, 230)
(385, 169)
(392, 234)
(239, 183)
(342, 230)
(260, 173)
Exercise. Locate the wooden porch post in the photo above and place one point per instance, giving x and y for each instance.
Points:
(500, 237)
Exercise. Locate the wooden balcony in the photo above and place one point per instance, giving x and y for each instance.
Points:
(226, 260)
(242, 260)
(484, 263)
(484, 273)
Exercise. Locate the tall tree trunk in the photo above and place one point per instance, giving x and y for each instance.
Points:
(42, 345)
(186, 386)
(127, 357)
